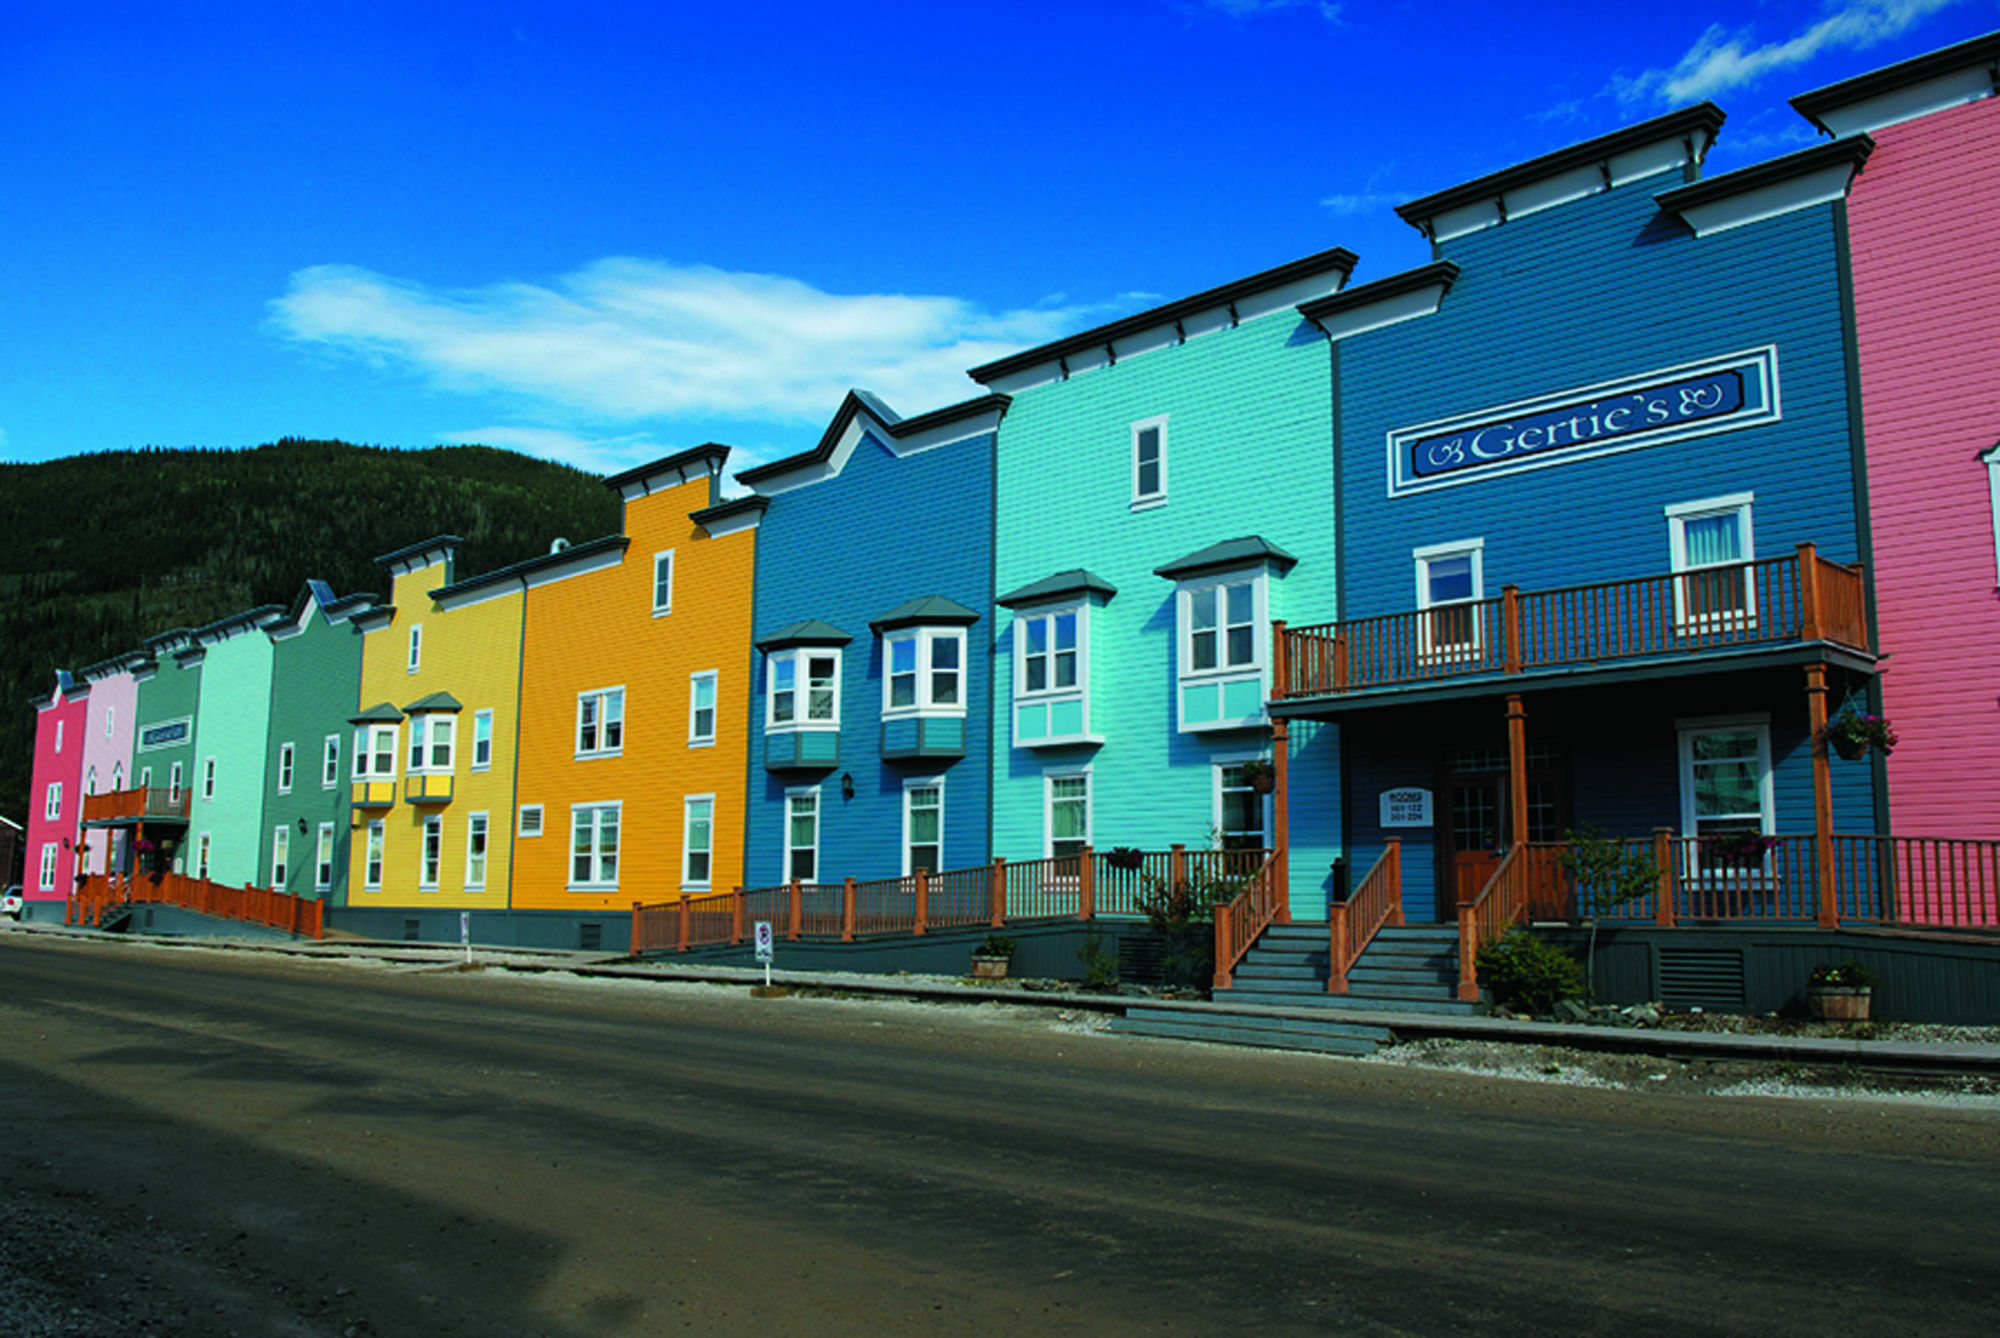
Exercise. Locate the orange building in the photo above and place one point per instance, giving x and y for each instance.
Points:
(635, 687)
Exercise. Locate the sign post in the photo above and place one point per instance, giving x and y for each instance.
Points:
(764, 944)
(465, 934)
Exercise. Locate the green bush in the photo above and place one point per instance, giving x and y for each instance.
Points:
(1528, 975)
(1100, 964)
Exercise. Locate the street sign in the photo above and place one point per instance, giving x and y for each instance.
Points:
(764, 940)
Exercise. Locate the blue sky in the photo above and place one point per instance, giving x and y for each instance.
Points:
(601, 233)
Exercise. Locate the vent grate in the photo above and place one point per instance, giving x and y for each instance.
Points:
(1703, 978)
(590, 938)
(412, 930)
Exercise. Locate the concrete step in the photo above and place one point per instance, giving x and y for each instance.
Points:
(1400, 975)
(1234, 1034)
(1282, 971)
(1360, 1031)
(1355, 1002)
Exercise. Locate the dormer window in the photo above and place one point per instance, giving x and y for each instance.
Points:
(802, 676)
(805, 689)
(1222, 606)
(1051, 657)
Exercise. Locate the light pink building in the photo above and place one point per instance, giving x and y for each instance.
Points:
(55, 802)
(107, 743)
(1922, 223)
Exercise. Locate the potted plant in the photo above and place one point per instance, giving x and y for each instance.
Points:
(1259, 775)
(1738, 849)
(1852, 733)
(1840, 993)
(1127, 858)
(990, 959)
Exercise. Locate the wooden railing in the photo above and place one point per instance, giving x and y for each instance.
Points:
(1082, 886)
(1352, 924)
(1528, 883)
(251, 905)
(1243, 917)
(151, 801)
(1801, 597)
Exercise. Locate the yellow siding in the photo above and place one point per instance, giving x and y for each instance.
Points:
(597, 630)
(473, 653)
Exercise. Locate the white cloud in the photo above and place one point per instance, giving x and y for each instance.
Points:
(1243, 9)
(1722, 59)
(1366, 202)
(602, 455)
(625, 339)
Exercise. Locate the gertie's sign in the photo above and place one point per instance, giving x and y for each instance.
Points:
(1648, 410)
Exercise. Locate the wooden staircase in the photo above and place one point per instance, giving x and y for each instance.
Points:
(1406, 969)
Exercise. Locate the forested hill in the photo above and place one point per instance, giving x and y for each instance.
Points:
(99, 552)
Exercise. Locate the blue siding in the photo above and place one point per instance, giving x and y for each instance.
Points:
(845, 550)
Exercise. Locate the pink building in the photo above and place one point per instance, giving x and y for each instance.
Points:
(55, 802)
(107, 743)
(1922, 221)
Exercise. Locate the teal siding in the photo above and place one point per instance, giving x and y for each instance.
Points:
(231, 725)
(1248, 452)
(315, 689)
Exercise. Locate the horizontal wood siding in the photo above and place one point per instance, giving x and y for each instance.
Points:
(1927, 306)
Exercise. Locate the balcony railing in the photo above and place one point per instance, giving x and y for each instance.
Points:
(1796, 599)
(146, 802)
(253, 905)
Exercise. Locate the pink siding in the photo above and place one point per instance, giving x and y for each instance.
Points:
(1923, 217)
(112, 700)
(52, 766)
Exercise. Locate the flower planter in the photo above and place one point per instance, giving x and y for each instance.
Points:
(1838, 1003)
(1263, 784)
(1853, 750)
(989, 968)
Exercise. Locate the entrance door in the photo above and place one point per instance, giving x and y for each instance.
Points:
(1477, 824)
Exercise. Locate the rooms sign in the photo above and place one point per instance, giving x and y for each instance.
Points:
(1650, 409)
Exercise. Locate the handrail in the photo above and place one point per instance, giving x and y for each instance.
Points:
(1798, 597)
(1352, 925)
(1243, 917)
(145, 801)
(1489, 915)
(249, 904)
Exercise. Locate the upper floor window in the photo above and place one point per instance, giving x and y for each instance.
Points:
(208, 778)
(371, 875)
(1221, 625)
(475, 852)
(117, 777)
(90, 781)
(59, 735)
(375, 752)
(1222, 621)
(174, 783)
(663, 583)
(1992, 460)
(1450, 583)
(430, 742)
(427, 874)
(925, 670)
(1149, 462)
(323, 859)
(804, 689)
(600, 722)
(110, 719)
(1711, 545)
(482, 740)
(701, 709)
(284, 768)
(52, 802)
(416, 646)
(329, 762)
(594, 846)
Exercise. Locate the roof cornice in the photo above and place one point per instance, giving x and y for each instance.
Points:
(1975, 57)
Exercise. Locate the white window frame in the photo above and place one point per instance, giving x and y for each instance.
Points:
(1217, 764)
(207, 779)
(663, 583)
(482, 740)
(416, 647)
(786, 847)
(1992, 462)
(425, 743)
(596, 882)
(528, 822)
(1678, 515)
(689, 881)
(281, 856)
(430, 856)
(923, 642)
(1049, 693)
(117, 777)
(912, 786)
(1142, 500)
(90, 782)
(323, 852)
(52, 803)
(1050, 776)
(203, 847)
(1429, 648)
(174, 783)
(329, 762)
(1686, 733)
(286, 760)
(478, 849)
(800, 659)
(110, 719)
(59, 735)
(601, 699)
(375, 855)
(710, 677)
(376, 749)
(48, 870)
(1258, 579)
(145, 778)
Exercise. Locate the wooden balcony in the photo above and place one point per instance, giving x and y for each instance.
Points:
(149, 803)
(1797, 600)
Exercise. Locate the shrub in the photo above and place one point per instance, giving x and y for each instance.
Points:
(1527, 974)
(1100, 968)
(995, 946)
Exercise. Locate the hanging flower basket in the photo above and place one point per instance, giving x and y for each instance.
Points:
(1852, 734)
(1259, 775)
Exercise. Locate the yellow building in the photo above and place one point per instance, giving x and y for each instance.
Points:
(433, 749)
(635, 686)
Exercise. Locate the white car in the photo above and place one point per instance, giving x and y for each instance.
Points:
(10, 902)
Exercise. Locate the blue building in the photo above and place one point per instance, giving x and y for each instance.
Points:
(1164, 496)
(1598, 499)
(871, 677)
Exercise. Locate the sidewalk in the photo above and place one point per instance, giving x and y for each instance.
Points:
(1903, 1056)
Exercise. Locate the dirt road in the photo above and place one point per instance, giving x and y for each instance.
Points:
(209, 1143)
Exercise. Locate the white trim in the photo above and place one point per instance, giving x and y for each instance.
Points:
(329, 776)
(486, 717)
(204, 847)
(424, 727)
(1216, 762)
(1050, 695)
(375, 855)
(601, 748)
(1678, 515)
(1685, 732)
(1144, 501)
(281, 856)
(924, 639)
(1050, 775)
(695, 680)
(287, 767)
(785, 832)
(52, 802)
(1427, 647)
(482, 824)
(46, 878)
(430, 875)
(910, 786)
(325, 844)
(689, 883)
(664, 557)
(1780, 197)
(597, 882)
(1992, 459)
(800, 658)
(208, 779)
(1971, 84)
(416, 648)
(1393, 309)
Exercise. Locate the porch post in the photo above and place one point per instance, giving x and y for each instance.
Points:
(1822, 774)
(1663, 864)
(1281, 819)
(1517, 767)
(1809, 619)
(1281, 669)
